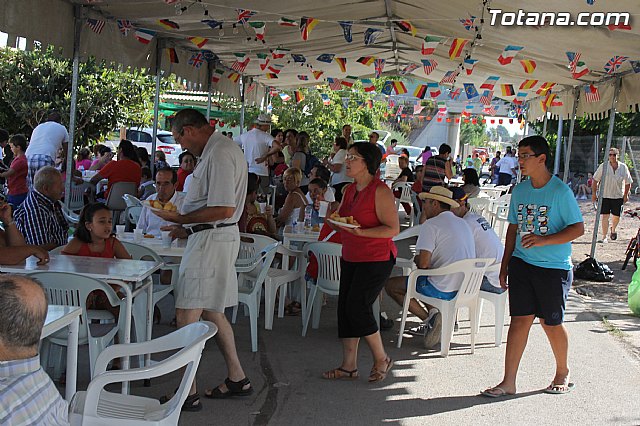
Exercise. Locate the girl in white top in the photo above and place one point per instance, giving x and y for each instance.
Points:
(295, 202)
(335, 163)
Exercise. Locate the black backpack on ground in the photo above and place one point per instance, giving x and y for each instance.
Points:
(592, 270)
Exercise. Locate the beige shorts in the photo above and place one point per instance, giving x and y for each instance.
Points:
(208, 277)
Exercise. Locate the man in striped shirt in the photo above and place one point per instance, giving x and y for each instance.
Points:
(39, 218)
(28, 395)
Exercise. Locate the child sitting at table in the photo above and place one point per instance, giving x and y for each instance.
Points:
(94, 237)
(317, 190)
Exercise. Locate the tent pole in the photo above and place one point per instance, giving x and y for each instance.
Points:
(77, 29)
(156, 104)
(544, 126)
(612, 120)
(556, 163)
(241, 104)
(576, 99)
(209, 71)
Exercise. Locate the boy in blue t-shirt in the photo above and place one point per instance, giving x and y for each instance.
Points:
(544, 218)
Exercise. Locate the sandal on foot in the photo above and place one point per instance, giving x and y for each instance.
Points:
(340, 373)
(614, 236)
(377, 375)
(192, 403)
(560, 388)
(233, 389)
(495, 392)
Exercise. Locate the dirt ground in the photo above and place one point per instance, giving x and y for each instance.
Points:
(611, 253)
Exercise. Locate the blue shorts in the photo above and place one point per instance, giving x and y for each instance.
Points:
(424, 287)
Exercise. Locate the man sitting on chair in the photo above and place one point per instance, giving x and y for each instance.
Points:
(487, 243)
(166, 182)
(443, 239)
(28, 394)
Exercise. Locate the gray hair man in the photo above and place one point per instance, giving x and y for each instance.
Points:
(39, 218)
(208, 218)
(28, 395)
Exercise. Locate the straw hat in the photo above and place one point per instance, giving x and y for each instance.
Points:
(440, 193)
(263, 119)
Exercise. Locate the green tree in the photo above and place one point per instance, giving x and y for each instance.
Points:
(324, 122)
(473, 134)
(503, 133)
(34, 82)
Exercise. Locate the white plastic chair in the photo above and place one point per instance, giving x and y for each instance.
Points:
(97, 406)
(160, 291)
(499, 302)
(256, 254)
(115, 201)
(132, 216)
(131, 201)
(71, 217)
(405, 194)
(479, 205)
(76, 196)
(416, 211)
(407, 265)
(473, 271)
(68, 289)
(277, 278)
(328, 281)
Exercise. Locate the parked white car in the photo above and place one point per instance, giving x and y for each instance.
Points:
(144, 136)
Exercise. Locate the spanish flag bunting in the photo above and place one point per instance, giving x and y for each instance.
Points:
(306, 25)
(545, 88)
(399, 87)
(317, 74)
(529, 65)
(170, 25)
(366, 60)
(406, 27)
(271, 76)
(457, 46)
(421, 91)
(507, 90)
(234, 76)
(198, 41)
(342, 63)
(548, 102)
(173, 55)
(528, 84)
(298, 95)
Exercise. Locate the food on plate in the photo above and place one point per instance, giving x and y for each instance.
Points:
(169, 206)
(348, 219)
(155, 204)
(315, 228)
(149, 236)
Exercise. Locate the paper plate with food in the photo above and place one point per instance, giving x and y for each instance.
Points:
(156, 206)
(345, 222)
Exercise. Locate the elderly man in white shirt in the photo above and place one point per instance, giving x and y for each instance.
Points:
(166, 180)
(255, 144)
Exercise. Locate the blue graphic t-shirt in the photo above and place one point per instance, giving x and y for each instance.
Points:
(544, 211)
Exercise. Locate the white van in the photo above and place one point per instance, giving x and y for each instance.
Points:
(144, 136)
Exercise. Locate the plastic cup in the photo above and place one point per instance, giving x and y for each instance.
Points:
(324, 206)
(120, 231)
(299, 227)
(263, 207)
(137, 236)
(166, 239)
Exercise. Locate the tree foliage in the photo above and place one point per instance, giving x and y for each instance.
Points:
(473, 134)
(324, 123)
(35, 82)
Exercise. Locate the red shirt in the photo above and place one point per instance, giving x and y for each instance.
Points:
(182, 176)
(124, 170)
(361, 205)
(17, 182)
(108, 252)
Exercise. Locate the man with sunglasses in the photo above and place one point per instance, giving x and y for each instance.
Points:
(614, 193)
(544, 218)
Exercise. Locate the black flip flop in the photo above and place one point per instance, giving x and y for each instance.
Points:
(233, 389)
(192, 403)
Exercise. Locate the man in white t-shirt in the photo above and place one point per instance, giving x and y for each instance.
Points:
(443, 239)
(487, 243)
(166, 181)
(255, 144)
(507, 168)
(46, 140)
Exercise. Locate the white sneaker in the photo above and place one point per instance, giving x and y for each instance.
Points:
(605, 240)
(420, 330)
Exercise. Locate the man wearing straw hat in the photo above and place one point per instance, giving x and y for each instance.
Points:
(443, 239)
(255, 144)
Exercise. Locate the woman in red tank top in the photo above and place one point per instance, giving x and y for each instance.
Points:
(368, 256)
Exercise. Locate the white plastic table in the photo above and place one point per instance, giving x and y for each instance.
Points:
(59, 317)
(155, 244)
(289, 236)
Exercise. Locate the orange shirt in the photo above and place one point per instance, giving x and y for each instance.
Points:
(124, 170)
